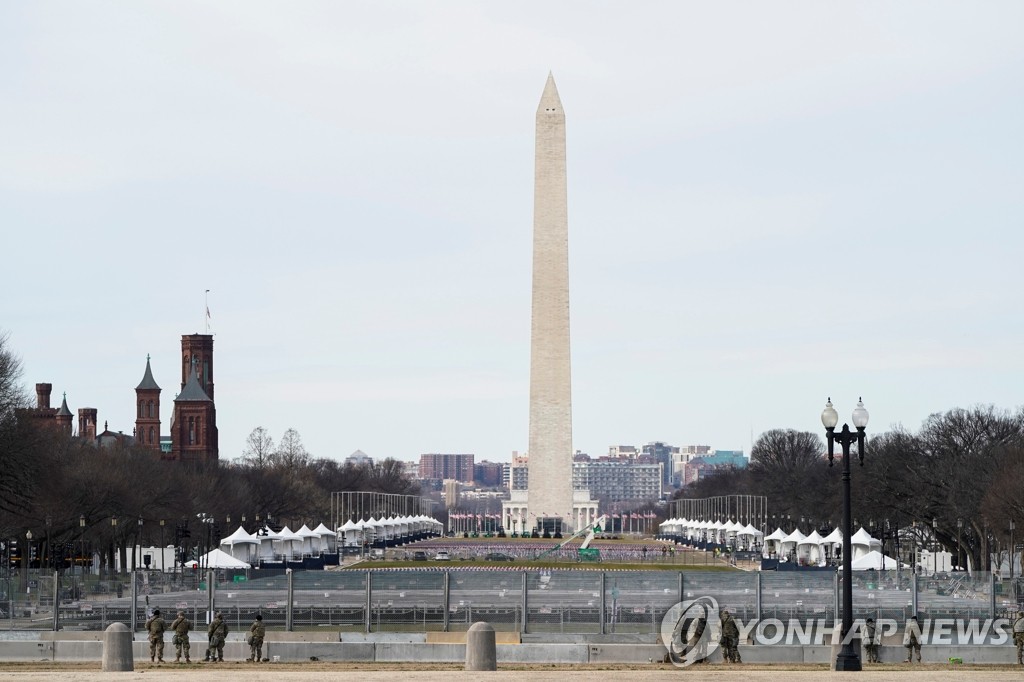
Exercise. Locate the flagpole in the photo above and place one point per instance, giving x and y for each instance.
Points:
(206, 311)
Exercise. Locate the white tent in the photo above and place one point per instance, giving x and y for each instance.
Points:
(875, 560)
(833, 538)
(241, 545)
(290, 543)
(351, 533)
(326, 537)
(809, 549)
(217, 558)
(267, 538)
(772, 542)
(862, 543)
(310, 541)
(790, 542)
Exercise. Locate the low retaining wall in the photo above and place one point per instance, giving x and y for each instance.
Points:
(390, 649)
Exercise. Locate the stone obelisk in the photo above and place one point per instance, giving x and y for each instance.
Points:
(550, 445)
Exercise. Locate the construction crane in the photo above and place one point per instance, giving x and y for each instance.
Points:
(585, 552)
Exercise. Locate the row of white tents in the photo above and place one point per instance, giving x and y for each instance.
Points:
(242, 549)
(717, 532)
(811, 550)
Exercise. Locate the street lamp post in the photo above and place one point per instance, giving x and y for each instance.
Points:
(48, 547)
(935, 547)
(113, 526)
(137, 560)
(899, 555)
(849, 656)
(81, 541)
(959, 531)
(1011, 550)
(27, 554)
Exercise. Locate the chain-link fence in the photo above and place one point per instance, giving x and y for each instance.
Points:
(533, 601)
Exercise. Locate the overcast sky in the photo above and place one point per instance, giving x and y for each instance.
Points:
(769, 204)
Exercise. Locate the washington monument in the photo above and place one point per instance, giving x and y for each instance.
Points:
(550, 445)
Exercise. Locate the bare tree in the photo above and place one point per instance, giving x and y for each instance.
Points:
(22, 442)
(12, 393)
(290, 452)
(259, 448)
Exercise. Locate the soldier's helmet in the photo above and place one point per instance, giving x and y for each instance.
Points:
(156, 612)
(181, 613)
(217, 615)
(259, 616)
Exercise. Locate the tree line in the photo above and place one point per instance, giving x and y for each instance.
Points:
(52, 484)
(959, 479)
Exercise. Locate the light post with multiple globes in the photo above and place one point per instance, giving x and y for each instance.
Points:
(849, 656)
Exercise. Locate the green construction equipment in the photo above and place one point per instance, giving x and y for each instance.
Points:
(585, 552)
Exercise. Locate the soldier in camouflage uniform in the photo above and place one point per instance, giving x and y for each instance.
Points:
(871, 640)
(257, 631)
(912, 639)
(217, 632)
(181, 626)
(730, 638)
(1018, 636)
(155, 626)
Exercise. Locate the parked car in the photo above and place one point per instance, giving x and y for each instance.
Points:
(497, 556)
(442, 556)
(419, 555)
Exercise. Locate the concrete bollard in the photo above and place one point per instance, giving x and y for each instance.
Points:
(481, 653)
(117, 649)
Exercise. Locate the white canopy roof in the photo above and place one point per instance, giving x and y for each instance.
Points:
(348, 525)
(322, 530)
(861, 537)
(812, 539)
(796, 536)
(873, 559)
(288, 534)
(217, 558)
(240, 537)
(834, 538)
(305, 532)
(778, 535)
(750, 530)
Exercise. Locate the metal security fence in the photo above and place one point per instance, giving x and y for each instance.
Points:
(795, 594)
(534, 601)
(494, 596)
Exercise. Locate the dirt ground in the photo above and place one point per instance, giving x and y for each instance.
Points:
(315, 672)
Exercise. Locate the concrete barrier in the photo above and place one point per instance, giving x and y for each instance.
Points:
(543, 653)
(500, 637)
(117, 649)
(389, 647)
(26, 651)
(394, 652)
(480, 648)
(362, 652)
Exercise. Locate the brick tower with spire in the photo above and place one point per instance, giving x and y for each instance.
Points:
(147, 415)
(194, 420)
